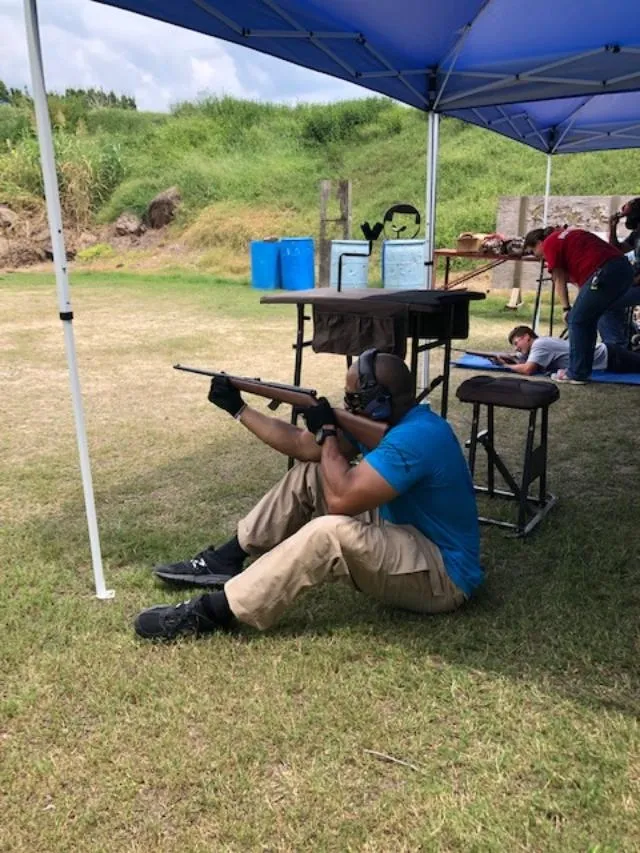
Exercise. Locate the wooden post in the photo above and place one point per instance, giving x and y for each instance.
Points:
(343, 196)
(324, 245)
(344, 199)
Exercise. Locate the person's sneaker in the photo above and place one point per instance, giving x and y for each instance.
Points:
(169, 621)
(563, 376)
(205, 569)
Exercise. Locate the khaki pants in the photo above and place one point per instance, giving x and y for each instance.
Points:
(299, 546)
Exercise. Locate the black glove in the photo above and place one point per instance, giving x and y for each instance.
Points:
(318, 416)
(223, 395)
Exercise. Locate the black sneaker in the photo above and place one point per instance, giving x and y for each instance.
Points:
(168, 621)
(205, 569)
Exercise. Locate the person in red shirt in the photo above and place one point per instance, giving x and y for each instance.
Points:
(604, 277)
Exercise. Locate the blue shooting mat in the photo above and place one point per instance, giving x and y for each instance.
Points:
(477, 362)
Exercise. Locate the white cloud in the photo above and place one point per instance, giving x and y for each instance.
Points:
(88, 44)
(218, 76)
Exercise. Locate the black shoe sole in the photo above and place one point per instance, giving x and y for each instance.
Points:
(155, 638)
(192, 580)
(165, 638)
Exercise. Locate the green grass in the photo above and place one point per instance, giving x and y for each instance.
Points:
(230, 152)
(518, 714)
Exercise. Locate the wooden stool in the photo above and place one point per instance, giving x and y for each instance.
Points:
(511, 393)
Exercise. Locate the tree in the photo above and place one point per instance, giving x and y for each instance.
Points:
(19, 97)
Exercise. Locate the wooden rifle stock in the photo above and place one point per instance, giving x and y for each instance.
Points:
(362, 429)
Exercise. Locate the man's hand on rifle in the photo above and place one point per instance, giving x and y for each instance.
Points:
(223, 395)
(319, 416)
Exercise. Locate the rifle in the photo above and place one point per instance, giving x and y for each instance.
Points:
(495, 357)
(363, 429)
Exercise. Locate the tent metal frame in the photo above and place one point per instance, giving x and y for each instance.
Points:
(536, 75)
(496, 80)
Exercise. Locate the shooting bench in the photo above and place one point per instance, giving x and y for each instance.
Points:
(351, 321)
(512, 393)
(489, 262)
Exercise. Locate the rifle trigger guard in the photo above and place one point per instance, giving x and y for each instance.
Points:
(273, 405)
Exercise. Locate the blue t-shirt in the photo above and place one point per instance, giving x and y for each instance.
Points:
(421, 459)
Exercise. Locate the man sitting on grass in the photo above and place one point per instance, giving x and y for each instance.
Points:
(401, 526)
(551, 355)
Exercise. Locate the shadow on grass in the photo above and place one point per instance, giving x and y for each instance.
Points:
(548, 622)
(560, 609)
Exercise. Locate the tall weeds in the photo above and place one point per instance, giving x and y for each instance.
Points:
(88, 171)
(231, 153)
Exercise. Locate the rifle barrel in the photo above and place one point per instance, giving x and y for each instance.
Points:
(279, 385)
(367, 432)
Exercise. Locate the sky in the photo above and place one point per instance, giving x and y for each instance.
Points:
(86, 44)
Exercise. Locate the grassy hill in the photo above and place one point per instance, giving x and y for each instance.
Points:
(248, 169)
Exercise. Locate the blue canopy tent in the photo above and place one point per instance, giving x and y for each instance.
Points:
(452, 56)
(565, 126)
(558, 77)
(544, 75)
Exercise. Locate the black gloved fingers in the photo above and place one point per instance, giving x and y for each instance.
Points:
(223, 395)
(319, 415)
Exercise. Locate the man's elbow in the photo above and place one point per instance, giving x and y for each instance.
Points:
(342, 505)
(306, 449)
(336, 505)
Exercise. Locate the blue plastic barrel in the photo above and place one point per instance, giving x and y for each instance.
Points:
(355, 271)
(297, 263)
(265, 264)
(403, 264)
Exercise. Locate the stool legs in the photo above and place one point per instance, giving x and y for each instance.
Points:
(544, 429)
(531, 509)
(473, 441)
(491, 484)
(526, 471)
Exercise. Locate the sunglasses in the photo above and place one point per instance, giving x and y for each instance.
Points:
(354, 402)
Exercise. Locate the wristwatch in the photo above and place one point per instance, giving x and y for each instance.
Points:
(324, 433)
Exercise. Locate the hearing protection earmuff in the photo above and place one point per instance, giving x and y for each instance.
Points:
(373, 398)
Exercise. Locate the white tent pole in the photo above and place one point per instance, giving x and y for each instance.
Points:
(433, 127)
(430, 196)
(545, 217)
(54, 214)
(547, 189)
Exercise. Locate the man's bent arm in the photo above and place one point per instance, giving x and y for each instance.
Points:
(350, 490)
(286, 438)
(613, 230)
(625, 245)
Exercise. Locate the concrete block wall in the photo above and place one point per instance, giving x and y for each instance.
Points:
(519, 214)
